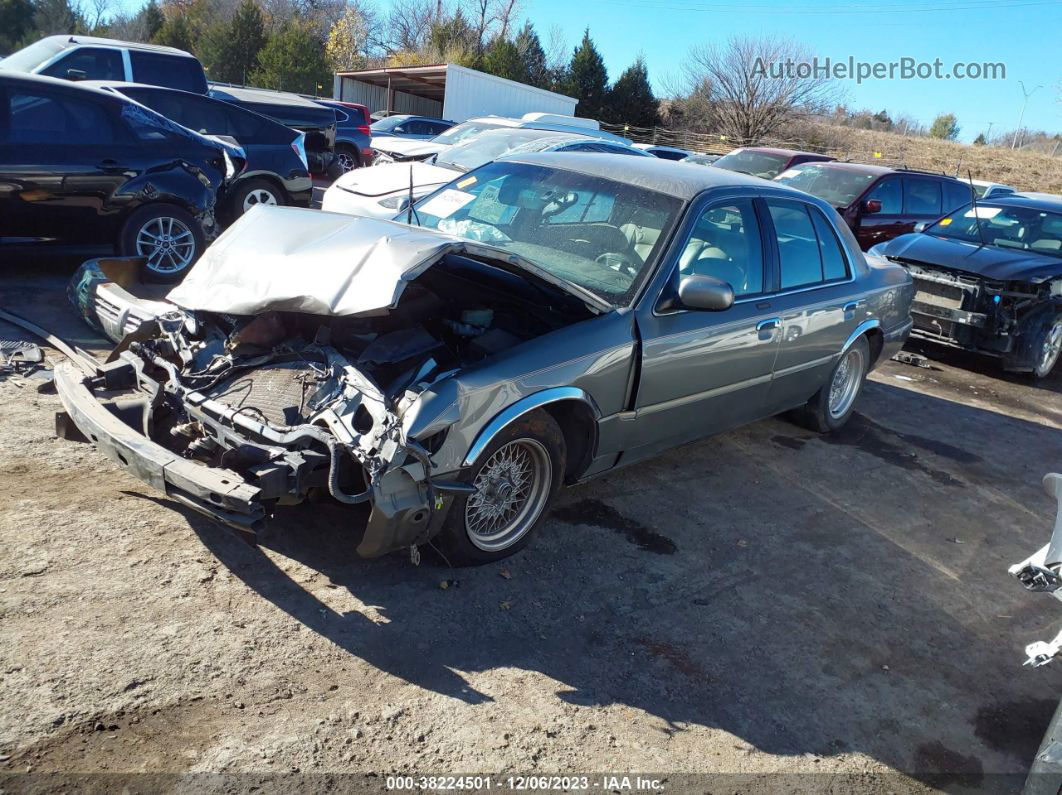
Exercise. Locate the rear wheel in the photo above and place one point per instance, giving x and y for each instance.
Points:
(830, 407)
(515, 479)
(168, 237)
(254, 192)
(347, 157)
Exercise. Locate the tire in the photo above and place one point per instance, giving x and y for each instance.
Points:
(1047, 346)
(348, 157)
(252, 192)
(158, 222)
(532, 444)
(830, 407)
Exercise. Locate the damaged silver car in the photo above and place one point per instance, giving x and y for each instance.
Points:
(538, 321)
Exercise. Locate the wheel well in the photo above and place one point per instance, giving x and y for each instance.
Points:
(877, 344)
(576, 420)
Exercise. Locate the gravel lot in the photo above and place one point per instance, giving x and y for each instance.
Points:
(767, 601)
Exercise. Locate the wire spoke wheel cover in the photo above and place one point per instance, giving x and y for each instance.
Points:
(167, 244)
(847, 378)
(512, 488)
(258, 196)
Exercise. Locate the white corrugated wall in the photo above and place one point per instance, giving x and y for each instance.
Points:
(375, 98)
(470, 93)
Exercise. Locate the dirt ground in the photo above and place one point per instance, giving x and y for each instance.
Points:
(832, 609)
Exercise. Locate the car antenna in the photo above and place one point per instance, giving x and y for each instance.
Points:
(977, 213)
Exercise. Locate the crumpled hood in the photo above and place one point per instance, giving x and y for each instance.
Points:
(990, 262)
(407, 147)
(297, 260)
(388, 178)
(289, 259)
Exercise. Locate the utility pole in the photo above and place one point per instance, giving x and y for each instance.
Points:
(988, 135)
(1021, 116)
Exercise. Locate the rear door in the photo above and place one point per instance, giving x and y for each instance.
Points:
(52, 191)
(172, 71)
(815, 296)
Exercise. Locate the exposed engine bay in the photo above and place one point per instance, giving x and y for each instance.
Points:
(296, 403)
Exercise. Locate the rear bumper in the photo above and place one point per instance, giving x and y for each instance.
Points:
(221, 494)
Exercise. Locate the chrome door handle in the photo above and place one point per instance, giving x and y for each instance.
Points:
(765, 328)
(850, 308)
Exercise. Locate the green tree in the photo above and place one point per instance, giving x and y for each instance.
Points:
(151, 19)
(16, 23)
(348, 41)
(453, 40)
(587, 79)
(176, 32)
(56, 16)
(980, 140)
(945, 126)
(229, 50)
(534, 57)
(503, 59)
(631, 100)
(294, 60)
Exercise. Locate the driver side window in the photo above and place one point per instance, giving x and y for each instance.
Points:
(725, 244)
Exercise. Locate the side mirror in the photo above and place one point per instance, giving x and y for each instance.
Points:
(871, 206)
(920, 226)
(76, 74)
(704, 293)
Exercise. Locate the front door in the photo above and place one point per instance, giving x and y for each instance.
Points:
(704, 372)
(885, 224)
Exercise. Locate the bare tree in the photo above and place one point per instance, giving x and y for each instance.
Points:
(504, 14)
(481, 12)
(558, 52)
(409, 24)
(95, 12)
(757, 85)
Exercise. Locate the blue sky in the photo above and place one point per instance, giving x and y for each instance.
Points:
(1023, 34)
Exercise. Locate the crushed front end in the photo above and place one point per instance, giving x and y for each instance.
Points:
(968, 311)
(234, 416)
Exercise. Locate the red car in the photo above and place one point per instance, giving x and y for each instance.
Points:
(877, 202)
(765, 161)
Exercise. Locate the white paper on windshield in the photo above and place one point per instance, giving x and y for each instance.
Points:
(447, 203)
(983, 212)
(790, 172)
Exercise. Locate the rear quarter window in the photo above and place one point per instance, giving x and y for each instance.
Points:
(172, 71)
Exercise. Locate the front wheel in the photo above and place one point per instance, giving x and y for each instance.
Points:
(515, 479)
(830, 407)
(169, 238)
(1047, 347)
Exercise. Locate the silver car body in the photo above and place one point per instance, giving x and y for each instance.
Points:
(624, 381)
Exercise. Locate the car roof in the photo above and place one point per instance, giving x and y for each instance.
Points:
(1051, 202)
(75, 40)
(771, 150)
(58, 82)
(261, 95)
(672, 177)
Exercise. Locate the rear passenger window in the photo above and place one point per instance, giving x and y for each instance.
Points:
(172, 71)
(834, 262)
(921, 196)
(725, 244)
(798, 245)
(93, 63)
(54, 119)
(888, 193)
(956, 194)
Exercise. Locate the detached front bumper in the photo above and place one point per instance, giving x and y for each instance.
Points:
(406, 509)
(219, 493)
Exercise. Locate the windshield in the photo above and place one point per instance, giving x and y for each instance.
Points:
(492, 144)
(1023, 228)
(387, 124)
(29, 58)
(758, 164)
(460, 132)
(578, 228)
(839, 186)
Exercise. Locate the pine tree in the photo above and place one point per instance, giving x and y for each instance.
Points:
(52, 17)
(293, 60)
(151, 20)
(631, 100)
(587, 79)
(16, 23)
(945, 126)
(980, 140)
(503, 59)
(176, 32)
(534, 57)
(229, 50)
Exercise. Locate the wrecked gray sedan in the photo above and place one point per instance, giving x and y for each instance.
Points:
(538, 321)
